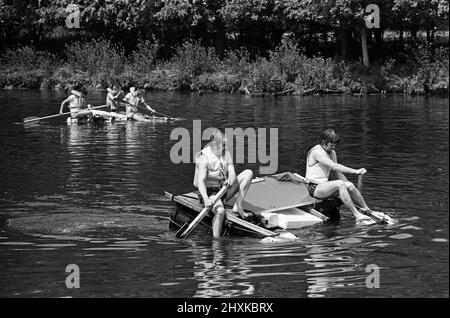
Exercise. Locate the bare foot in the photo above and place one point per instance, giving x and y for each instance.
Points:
(380, 216)
(239, 210)
(364, 219)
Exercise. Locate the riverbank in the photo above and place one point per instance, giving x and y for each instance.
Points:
(286, 70)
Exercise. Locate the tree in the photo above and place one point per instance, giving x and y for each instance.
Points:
(426, 15)
(194, 19)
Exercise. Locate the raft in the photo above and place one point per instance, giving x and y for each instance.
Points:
(100, 116)
(277, 203)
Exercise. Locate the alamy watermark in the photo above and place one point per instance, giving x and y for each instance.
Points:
(373, 279)
(73, 19)
(73, 279)
(373, 18)
(259, 149)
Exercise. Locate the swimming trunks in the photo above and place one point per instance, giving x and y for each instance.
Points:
(209, 192)
(311, 188)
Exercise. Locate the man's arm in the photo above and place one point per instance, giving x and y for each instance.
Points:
(339, 175)
(201, 179)
(147, 105)
(230, 169)
(117, 95)
(64, 102)
(327, 162)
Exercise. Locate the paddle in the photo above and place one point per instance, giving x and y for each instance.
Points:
(31, 119)
(186, 229)
(360, 183)
(169, 117)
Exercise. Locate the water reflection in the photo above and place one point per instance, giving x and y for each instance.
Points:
(51, 169)
(221, 271)
(333, 267)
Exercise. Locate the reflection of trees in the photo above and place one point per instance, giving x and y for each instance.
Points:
(221, 274)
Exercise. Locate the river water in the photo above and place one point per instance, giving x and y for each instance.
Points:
(92, 196)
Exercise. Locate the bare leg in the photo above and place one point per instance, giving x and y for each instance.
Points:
(356, 195)
(327, 189)
(219, 214)
(240, 188)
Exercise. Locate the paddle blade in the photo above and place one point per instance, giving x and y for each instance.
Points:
(181, 230)
(32, 118)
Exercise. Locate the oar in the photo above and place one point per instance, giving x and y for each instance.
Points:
(360, 183)
(186, 229)
(170, 117)
(31, 119)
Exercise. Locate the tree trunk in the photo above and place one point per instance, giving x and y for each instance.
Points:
(365, 49)
(378, 43)
(219, 41)
(413, 36)
(378, 37)
(345, 42)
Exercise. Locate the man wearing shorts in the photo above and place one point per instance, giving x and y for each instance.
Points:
(214, 169)
(320, 161)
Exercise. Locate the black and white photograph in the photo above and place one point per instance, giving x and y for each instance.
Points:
(222, 156)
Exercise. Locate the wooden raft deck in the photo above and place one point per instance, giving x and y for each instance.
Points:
(190, 200)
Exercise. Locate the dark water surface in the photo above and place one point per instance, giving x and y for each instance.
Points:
(92, 196)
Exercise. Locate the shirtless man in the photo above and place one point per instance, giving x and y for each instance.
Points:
(134, 100)
(214, 169)
(77, 104)
(321, 159)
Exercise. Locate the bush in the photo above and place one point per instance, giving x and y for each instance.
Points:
(144, 57)
(218, 81)
(237, 62)
(102, 60)
(288, 59)
(315, 73)
(266, 77)
(192, 59)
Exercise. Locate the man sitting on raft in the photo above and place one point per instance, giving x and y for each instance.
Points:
(113, 97)
(214, 168)
(321, 159)
(77, 104)
(134, 100)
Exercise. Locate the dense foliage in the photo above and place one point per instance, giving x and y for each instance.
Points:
(270, 46)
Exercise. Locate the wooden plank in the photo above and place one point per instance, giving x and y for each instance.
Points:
(258, 179)
(280, 209)
(233, 218)
(168, 195)
(190, 200)
(318, 214)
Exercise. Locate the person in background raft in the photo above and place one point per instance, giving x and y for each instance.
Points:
(113, 97)
(320, 161)
(213, 169)
(77, 104)
(134, 100)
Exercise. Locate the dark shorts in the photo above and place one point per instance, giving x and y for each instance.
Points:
(210, 192)
(311, 188)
